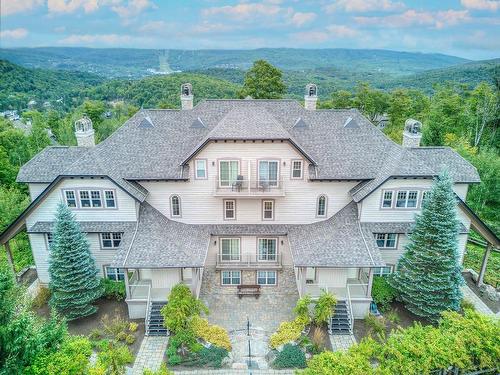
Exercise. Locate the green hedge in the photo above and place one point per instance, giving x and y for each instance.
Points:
(290, 357)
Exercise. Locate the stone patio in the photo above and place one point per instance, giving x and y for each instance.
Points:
(151, 354)
(342, 342)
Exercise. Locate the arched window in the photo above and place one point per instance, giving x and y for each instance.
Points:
(175, 206)
(321, 206)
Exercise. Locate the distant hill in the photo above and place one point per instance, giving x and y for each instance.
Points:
(19, 85)
(134, 63)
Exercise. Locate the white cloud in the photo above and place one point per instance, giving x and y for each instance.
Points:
(84, 39)
(70, 6)
(154, 27)
(329, 33)
(9, 7)
(364, 6)
(342, 31)
(244, 11)
(19, 33)
(298, 19)
(133, 8)
(481, 4)
(412, 17)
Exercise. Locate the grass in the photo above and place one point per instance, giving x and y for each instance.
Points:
(473, 259)
(21, 252)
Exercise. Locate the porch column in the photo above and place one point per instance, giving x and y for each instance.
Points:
(194, 281)
(483, 265)
(10, 259)
(127, 286)
(302, 280)
(370, 283)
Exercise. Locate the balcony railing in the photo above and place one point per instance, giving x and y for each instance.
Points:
(249, 261)
(355, 290)
(242, 187)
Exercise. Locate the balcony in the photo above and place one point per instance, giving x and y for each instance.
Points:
(249, 188)
(353, 289)
(248, 261)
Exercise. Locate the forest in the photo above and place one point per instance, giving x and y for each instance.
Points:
(464, 116)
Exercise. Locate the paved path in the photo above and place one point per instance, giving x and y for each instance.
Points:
(258, 345)
(480, 306)
(342, 342)
(151, 354)
(236, 372)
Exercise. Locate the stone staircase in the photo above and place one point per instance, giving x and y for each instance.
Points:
(341, 321)
(154, 323)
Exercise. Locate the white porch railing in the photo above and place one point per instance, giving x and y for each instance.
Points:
(244, 187)
(249, 261)
(352, 290)
(148, 308)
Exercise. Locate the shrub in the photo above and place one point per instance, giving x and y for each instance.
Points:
(318, 339)
(467, 305)
(383, 293)
(161, 371)
(113, 358)
(129, 339)
(375, 324)
(207, 357)
(95, 334)
(115, 327)
(41, 298)
(288, 332)
(290, 357)
(213, 334)
(121, 336)
(392, 316)
(181, 343)
(132, 327)
(324, 307)
(302, 306)
(113, 289)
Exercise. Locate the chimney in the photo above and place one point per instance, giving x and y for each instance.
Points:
(186, 96)
(311, 97)
(84, 132)
(412, 133)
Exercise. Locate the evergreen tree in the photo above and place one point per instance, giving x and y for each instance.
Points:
(73, 274)
(263, 81)
(428, 276)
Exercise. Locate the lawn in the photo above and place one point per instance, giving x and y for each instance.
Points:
(473, 259)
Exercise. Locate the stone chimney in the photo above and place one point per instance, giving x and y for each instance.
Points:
(311, 97)
(412, 133)
(84, 132)
(186, 96)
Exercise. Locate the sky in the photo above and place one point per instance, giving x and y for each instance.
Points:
(465, 28)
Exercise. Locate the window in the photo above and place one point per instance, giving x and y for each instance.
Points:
(201, 169)
(407, 199)
(267, 248)
(297, 169)
(425, 195)
(267, 210)
(321, 206)
(229, 209)
(109, 196)
(386, 240)
(230, 248)
(387, 199)
(50, 240)
(175, 206)
(70, 197)
(228, 172)
(85, 199)
(266, 277)
(95, 196)
(115, 274)
(268, 172)
(111, 240)
(382, 271)
(231, 277)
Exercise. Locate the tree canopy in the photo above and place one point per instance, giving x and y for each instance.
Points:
(263, 81)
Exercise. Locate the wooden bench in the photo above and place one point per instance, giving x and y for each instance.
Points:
(248, 290)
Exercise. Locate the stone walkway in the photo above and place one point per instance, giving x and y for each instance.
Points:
(151, 354)
(480, 306)
(342, 342)
(236, 372)
(258, 346)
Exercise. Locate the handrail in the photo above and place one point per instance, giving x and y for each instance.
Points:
(249, 260)
(350, 308)
(146, 319)
(248, 186)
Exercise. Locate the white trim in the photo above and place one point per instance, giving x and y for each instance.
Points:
(106, 199)
(172, 206)
(226, 209)
(112, 239)
(267, 253)
(231, 254)
(386, 239)
(230, 277)
(325, 214)
(293, 161)
(205, 162)
(267, 277)
(264, 218)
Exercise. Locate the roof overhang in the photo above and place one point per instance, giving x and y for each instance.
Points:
(478, 225)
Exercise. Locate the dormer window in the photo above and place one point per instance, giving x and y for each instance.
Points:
(70, 198)
(175, 206)
(321, 206)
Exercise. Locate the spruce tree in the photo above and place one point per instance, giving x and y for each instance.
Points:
(73, 274)
(428, 275)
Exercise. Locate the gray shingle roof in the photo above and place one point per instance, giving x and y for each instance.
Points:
(339, 152)
(396, 227)
(336, 242)
(87, 226)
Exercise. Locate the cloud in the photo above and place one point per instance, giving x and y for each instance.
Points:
(481, 4)
(330, 32)
(12, 7)
(412, 17)
(155, 27)
(298, 19)
(65, 6)
(19, 33)
(364, 6)
(133, 8)
(342, 31)
(244, 11)
(79, 39)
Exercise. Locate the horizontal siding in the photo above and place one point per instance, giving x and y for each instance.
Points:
(332, 277)
(126, 210)
(36, 189)
(200, 206)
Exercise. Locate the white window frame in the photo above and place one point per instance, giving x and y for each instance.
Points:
(266, 256)
(231, 277)
(383, 271)
(113, 237)
(224, 202)
(270, 182)
(172, 206)
(423, 198)
(205, 165)
(384, 199)
(385, 237)
(265, 210)
(89, 199)
(266, 277)
(231, 256)
(406, 199)
(326, 205)
(75, 198)
(97, 199)
(106, 199)
(116, 273)
(301, 170)
(228, 183)
(49, 239)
